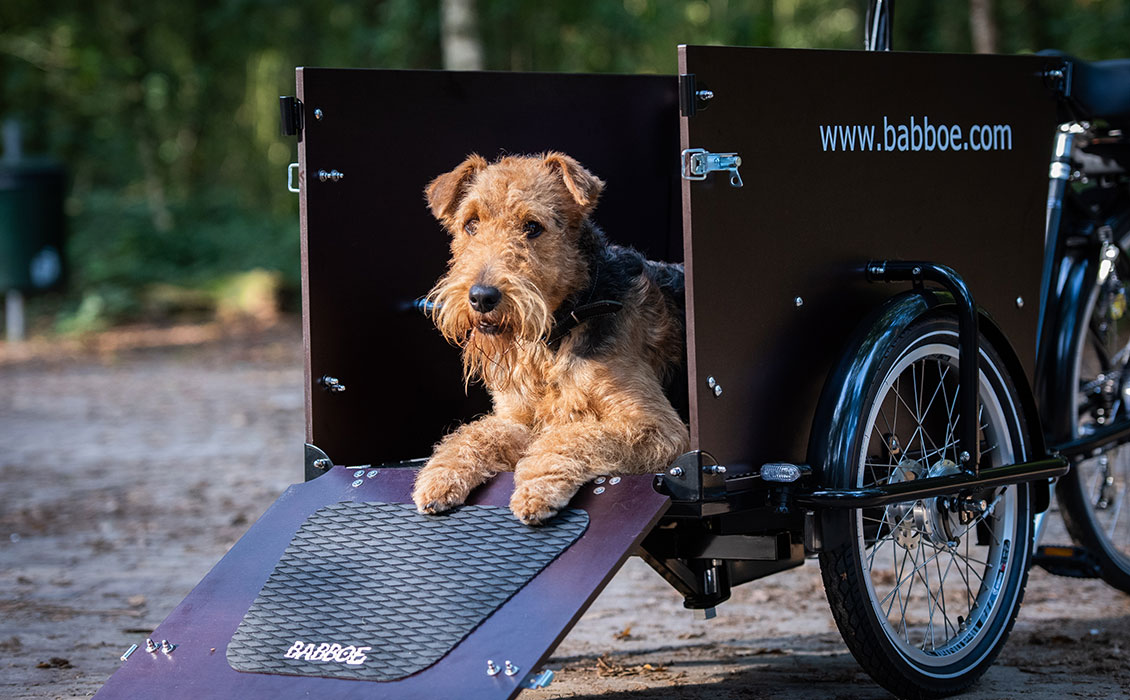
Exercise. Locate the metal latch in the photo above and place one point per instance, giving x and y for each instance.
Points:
(290, 171)
(698, 163)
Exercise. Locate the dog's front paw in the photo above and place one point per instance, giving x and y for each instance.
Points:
(438, 489)
(535, 502)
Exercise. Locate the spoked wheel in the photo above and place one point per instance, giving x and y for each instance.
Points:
(1093, 495)
(925, 592)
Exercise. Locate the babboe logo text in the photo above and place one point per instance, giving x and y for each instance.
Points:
(917, 135)
(348, 654)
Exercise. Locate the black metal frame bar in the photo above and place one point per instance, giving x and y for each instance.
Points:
(968, 340)
(1049, 468)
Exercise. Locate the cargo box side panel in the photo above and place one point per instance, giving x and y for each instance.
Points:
(844, 160)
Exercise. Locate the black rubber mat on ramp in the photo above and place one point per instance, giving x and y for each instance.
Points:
(376, 591)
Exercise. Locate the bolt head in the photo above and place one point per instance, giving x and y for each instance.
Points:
(964, 457)
(359, 473)
(614, 480)
(511, 669)
(799, 301)
(717, 389)
(598, 490)
(1020, 302)
(318, 114)
(676, 471)
(357, 483)
(711, 382)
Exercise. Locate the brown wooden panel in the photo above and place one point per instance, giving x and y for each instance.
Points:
(371, 247)
(807, 219)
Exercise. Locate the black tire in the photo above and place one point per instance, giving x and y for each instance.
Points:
(1093, 496)
(925, 593)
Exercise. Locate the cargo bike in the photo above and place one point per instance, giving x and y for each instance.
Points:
(876, 349)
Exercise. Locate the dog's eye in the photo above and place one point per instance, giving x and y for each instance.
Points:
(471, 227)
(533, 229)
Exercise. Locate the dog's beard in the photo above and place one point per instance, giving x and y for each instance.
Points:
(497, 347)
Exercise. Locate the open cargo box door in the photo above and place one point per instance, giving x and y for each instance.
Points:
(344, 570)
(342, 560)
(843, 161)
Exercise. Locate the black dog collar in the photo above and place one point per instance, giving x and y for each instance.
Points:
(566, 321)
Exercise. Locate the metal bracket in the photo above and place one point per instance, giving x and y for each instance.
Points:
(316, 461)
(697, 163)
(538, 680)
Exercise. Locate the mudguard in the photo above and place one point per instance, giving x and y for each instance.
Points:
(841, 410)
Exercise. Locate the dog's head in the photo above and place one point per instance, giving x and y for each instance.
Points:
(515, 226)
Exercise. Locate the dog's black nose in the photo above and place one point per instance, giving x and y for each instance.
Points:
(484, 298)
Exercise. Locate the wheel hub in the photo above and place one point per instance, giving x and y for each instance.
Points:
(937, 519)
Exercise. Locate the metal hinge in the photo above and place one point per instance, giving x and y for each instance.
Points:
(698, 163)
(693, 97)
(1060, 78)
(290, 110)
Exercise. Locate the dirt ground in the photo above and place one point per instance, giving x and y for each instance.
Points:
(131, 462)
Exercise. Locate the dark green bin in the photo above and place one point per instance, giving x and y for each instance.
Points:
(32, 224)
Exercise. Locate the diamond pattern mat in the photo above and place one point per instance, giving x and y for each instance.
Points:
(376, 591)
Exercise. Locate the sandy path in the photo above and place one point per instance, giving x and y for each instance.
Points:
(124, 476)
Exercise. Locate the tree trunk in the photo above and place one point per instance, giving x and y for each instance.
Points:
(462, 48)
(982, 26)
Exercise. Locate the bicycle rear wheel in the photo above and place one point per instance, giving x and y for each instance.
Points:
(1093, 495)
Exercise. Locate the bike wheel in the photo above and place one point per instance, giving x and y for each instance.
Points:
(926, 592)
(1093, 495)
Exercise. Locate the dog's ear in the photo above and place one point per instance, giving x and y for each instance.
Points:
(446, 191)
(583, 185)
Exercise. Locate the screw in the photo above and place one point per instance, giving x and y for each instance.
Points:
(799, 301)
(167, 647)
(711, 382)
(492, 668)
(357, 483)
(717, 389)
(373, 472)
(964, 457)
(318, 114)
(599, 480)
(614, 480)
(322, 464)
(675, 471)
(511, 669)
(704, 95)
(598, 490)
(150, 645)
(359, 473)
(916, 271)
(1020, 302)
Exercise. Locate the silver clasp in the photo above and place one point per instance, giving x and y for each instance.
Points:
(290, 170)
(698, 163)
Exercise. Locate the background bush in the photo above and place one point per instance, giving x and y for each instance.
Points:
(166, 112)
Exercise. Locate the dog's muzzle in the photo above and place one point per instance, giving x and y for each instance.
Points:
(484, 298)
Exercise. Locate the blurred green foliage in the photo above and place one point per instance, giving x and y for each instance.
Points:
(166, 112)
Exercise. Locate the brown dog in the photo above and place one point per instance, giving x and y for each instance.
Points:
(573, 337)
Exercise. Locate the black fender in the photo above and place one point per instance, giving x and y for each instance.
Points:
(1076, 284)
(841, 411)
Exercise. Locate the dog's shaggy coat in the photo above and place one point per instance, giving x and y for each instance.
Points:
(573, 337)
